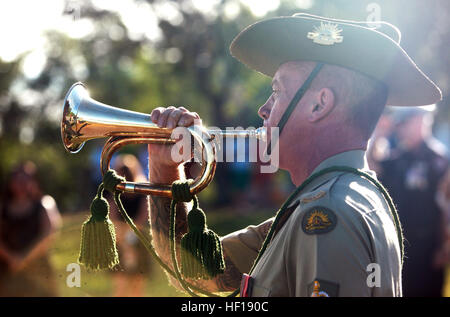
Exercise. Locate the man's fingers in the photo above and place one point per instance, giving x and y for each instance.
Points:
(186, 120)
(162, 120)
(156, 113)
(189, 119)
(174, 116)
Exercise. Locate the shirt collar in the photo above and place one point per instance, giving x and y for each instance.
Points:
(354, 158)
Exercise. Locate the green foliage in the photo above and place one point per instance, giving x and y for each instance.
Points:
(132, 74)
(190, 65)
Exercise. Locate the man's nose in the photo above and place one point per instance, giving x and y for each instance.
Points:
(264, 110)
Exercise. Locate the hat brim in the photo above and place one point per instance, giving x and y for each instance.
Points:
(267, 44)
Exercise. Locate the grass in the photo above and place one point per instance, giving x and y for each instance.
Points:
(66, 246)
(100, 283)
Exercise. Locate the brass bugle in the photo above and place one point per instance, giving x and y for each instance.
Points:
(85, 119)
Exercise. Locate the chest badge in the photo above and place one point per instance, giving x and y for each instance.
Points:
(317, 292)
(326, 34)
(318, 220)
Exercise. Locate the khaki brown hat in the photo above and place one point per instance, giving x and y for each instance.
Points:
(267, 44)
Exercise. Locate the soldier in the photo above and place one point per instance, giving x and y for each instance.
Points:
(412, 175)
(331, 81)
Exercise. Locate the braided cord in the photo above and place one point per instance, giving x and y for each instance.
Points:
(389, 201)
(347, 169)
(147, 244)
(180, 279)
(282, 211)
(174, 259)
(191, 288)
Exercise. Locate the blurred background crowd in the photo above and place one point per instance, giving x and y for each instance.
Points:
(141, 54)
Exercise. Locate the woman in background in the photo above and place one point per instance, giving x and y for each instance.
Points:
(134, 259)
(28, 221)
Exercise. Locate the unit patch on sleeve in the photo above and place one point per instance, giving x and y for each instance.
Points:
(317, 220)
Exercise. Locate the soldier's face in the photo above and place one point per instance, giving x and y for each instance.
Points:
(287, 80)
(410, 133)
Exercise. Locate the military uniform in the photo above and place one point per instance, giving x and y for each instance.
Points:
(338, 237)
(340, 227)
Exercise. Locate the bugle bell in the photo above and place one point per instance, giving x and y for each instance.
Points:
(85, 119)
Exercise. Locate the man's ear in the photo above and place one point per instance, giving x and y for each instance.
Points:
(322, 105)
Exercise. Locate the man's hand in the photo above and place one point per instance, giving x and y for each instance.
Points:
(162, 168)
(172, 117)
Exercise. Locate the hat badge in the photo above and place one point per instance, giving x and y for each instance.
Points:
(326, 34)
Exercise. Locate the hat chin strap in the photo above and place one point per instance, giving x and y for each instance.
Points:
(298, 95)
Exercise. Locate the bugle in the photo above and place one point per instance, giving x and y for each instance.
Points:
(85, 119)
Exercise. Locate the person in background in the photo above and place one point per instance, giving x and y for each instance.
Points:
(412, 175)
(134, 260)
(28, 222)
(442, 258)
(381, 143)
